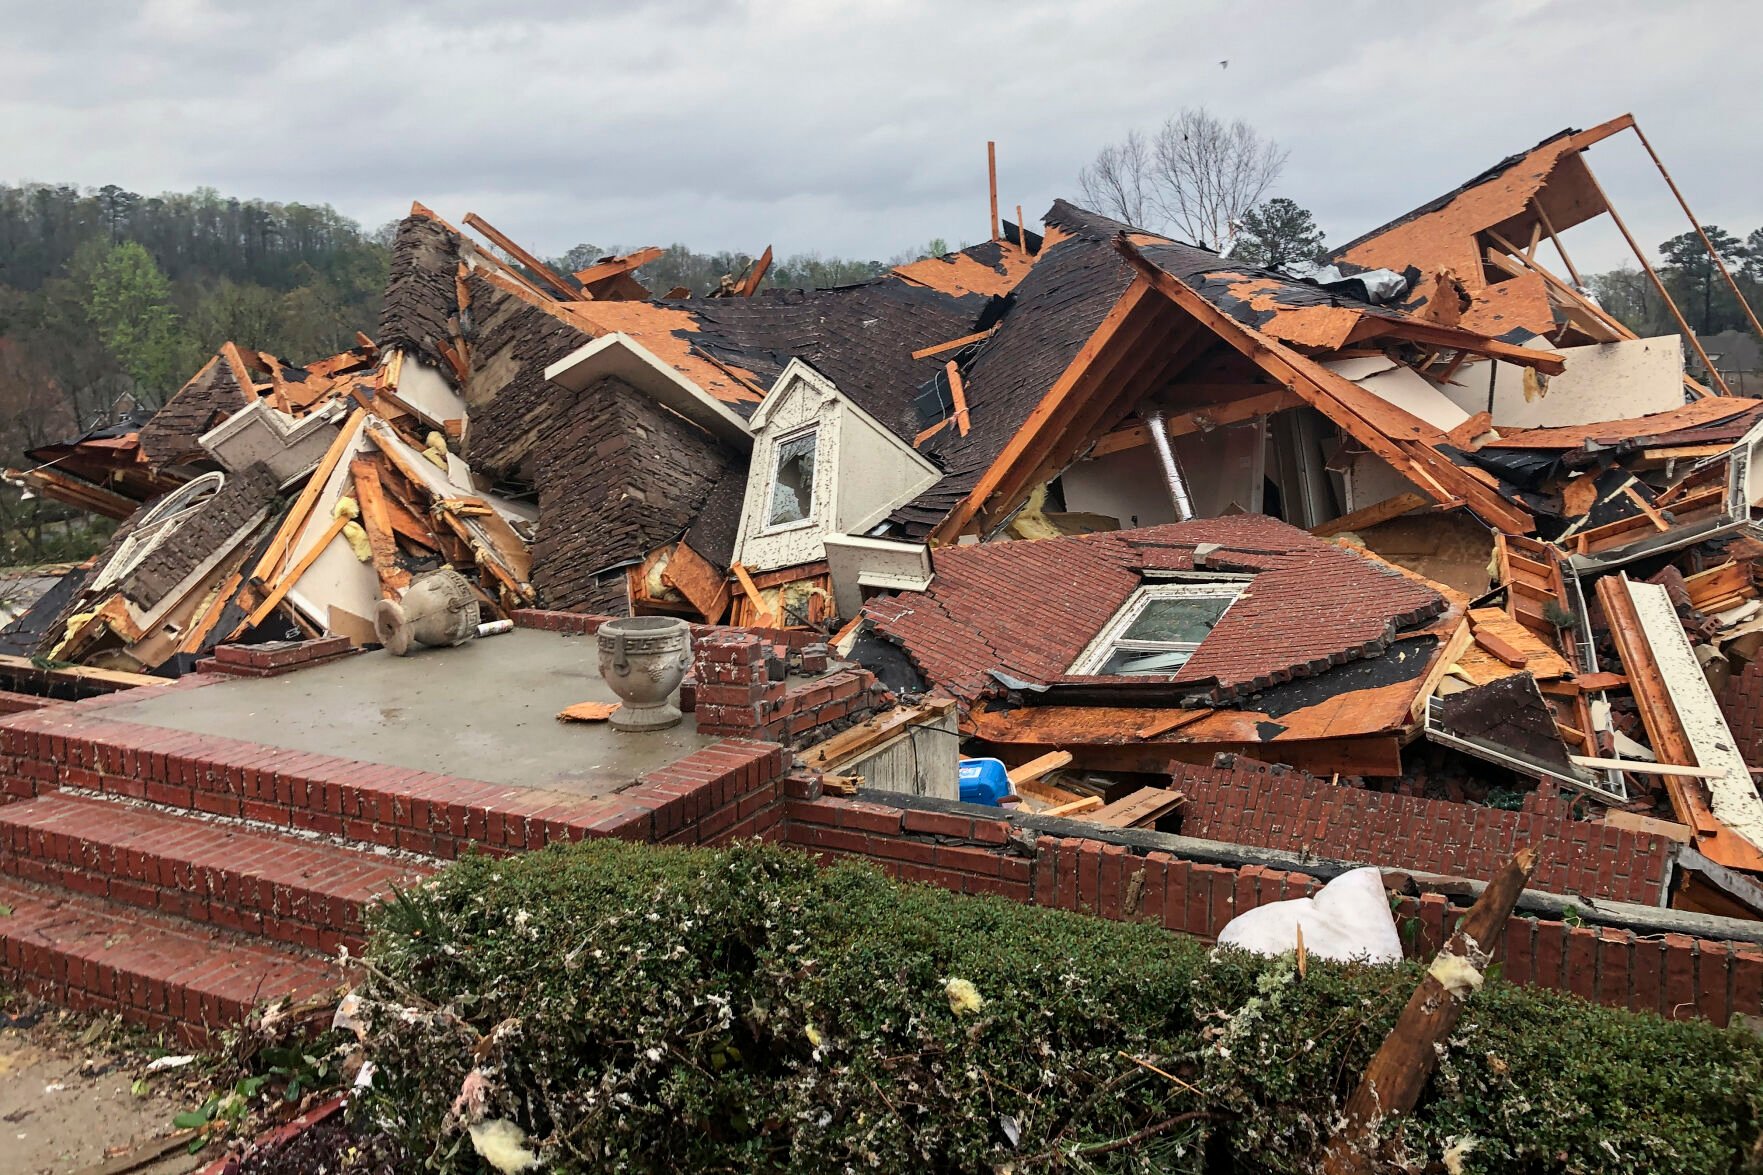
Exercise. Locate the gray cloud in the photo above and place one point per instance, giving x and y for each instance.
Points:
(853, 128)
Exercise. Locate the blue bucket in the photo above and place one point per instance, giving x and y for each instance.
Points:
(984, 781)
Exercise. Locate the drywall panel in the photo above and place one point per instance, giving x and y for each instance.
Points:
(1369, 480)
(1127, 486)
(1402, 387)
(427, 390)
(1603, 381)
(1226, 469)
(336, 577)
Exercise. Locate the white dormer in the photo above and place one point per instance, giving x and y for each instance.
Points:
(821, 466)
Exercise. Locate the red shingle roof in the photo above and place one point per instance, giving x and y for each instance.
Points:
(1027, 609)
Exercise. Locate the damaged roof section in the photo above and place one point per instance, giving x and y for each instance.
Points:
(1303, 606)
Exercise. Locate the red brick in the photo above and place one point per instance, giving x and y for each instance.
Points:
(939, 824)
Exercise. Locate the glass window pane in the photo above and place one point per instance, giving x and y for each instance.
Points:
(792, 492)
(1139, 663)
(1187, 619)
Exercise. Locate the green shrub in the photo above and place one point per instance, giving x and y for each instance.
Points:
(659, 1010)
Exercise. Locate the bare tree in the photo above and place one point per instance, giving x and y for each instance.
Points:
(1197, 175)
(1118, 183)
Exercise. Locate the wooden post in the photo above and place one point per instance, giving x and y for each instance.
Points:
(1641, 256)
(1543, 219)
(1697, 225)
(1021, 231)
(992, 177)
(1398, 1072)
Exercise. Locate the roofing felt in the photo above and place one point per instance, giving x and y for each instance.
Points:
(1297, 312)
(1052, 313)
(1028, 609)
(861, 337)
(990, 268)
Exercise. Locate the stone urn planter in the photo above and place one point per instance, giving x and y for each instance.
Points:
(642, 659)
(437, 610)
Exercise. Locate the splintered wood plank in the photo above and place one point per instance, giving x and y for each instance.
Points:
(952, 344)
(587, 712)
(1372, 515)
(533, 264)
(763, 617)
(286, 582)
(871, 734)
(1035, 768)
(376, 522)
(1044, 793)
(1075, 807)
(1142, 809)
(295, 520)
(695, 578)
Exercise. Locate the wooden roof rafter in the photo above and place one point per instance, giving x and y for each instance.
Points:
(1372, 422)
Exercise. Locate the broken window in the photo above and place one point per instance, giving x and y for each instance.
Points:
(1157, 630)
(792, 489)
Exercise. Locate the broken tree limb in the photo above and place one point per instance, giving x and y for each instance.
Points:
(1398, 1072)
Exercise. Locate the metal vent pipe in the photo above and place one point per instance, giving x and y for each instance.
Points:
(1178, 485)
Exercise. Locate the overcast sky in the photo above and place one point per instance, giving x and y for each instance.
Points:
(858, 128)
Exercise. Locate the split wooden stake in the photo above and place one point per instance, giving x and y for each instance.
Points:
(992, 178)
(959, 395)
(1398, 1072)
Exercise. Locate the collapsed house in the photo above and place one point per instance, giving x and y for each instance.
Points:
(1426, 522)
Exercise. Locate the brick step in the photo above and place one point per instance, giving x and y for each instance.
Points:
(165, 973)
(300, 891)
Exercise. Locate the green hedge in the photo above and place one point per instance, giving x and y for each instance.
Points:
(658, 1010)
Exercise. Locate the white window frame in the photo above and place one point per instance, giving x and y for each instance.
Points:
(1109, 641)
(811, 516)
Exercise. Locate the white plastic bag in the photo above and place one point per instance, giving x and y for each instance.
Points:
(1349, 918)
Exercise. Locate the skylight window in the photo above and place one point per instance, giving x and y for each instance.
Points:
(792, 485)
(1157, 630)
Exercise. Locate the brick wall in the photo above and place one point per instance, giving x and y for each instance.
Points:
(1742, 702)
(1675, 975)
(77, 745)
(588, 623)
(1246, 803)
(734, 693)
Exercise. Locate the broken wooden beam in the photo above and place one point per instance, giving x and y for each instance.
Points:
(1037, 768)
(536, 267)
(749, 284)
(1400, 1069)
(953, 344)
(1372, 515)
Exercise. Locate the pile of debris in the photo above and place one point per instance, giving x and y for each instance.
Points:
(1426, 521)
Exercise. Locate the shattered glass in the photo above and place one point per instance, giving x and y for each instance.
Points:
(792, 491)
(1185, 620)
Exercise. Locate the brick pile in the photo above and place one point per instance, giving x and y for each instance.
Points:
(737, 692)
(274, 658)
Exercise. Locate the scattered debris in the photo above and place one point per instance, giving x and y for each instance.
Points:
(1425, 519)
